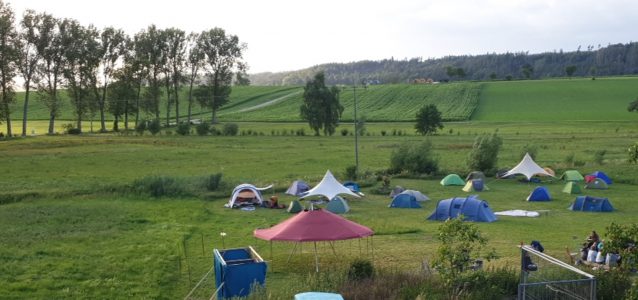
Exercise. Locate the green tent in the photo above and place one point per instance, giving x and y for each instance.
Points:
(295, 207)
(338, 205)
(572, 175)
(597, 184)
(571, 188)
(452, 179)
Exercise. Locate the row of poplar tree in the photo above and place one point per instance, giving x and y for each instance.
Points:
(107, 71)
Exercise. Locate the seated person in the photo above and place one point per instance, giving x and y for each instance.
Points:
(274, 202)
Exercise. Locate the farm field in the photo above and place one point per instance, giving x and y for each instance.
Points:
(78, 222)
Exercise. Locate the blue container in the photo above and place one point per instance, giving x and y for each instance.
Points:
(237, 271)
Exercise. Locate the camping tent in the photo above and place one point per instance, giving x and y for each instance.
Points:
(396, 190)
(298, 188)
(597, 184)
(603, 176)
(452, 179)
(338, 206)
(246, 194)
(475, 185)
(528, 168)
(295, 206)
(587, 203)
(571, 188)
(540, 193)
(314, 226)
(572, 175)
(502, 174)
(416, 194)
(404, 201)
(475, 175)
(472, 208)
(353, 186)
(329, 187)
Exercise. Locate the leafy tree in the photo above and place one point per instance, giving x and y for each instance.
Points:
(428, 120)
(321, 107)
(455, 72)
(570, 70)
(223, 55)
(633, 106)
(493, 76)
(175, 48)
(632, 151)
(111, 49)
(414, 158)
(241, 78)
(460, 244)
(149, 50)
(527, 70)
(29, 56)
(121, 92)
(9, 55)
(194, 62)
(621, 239)
(154, 126)
(484, 154)
(50, 66)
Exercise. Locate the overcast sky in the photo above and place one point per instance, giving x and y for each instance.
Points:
(284, 35)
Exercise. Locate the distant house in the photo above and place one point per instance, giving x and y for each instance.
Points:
(423, 81)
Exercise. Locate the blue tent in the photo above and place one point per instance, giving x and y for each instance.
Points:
(404, 201)
(540, 193)
(602, 175)
(587, 203)
(353, 186)
(472, 208)
(298, 188)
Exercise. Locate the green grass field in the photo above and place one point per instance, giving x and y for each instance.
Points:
(74, 227)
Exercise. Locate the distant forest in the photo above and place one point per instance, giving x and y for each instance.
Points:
(616, 59)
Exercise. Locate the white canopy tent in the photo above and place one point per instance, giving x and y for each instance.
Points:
(527, 167)
(329, 187)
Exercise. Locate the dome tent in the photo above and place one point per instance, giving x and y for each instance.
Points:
(540, 193)
(593, 204)
(472, 208)
(338, 206)
(298, 188)
(452, 179)
(404, 201)
(246, 194)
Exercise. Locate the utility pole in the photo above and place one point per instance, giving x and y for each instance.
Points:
(356, 128)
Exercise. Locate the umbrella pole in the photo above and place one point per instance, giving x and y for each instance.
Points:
(291, 252)
(372, 242)
(271, 262)
(316, 258)
(333, 249)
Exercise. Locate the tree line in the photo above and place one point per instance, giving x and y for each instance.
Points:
(105, 71)
(614, 59)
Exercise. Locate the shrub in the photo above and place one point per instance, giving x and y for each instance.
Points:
(344, 132)
(213, 182)
(484, 154)
(159, 186)
(183, 129)
(140, 127)
(569, 159)
(414, 158)
(360, 269)
(230, 129)
(154, 126)
(351, 172)
(74, 131)
(612, 284)
(383, 132)
(202, 128)
(300, 132)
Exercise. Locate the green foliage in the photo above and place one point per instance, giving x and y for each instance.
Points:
(154, 126)
(141, 127)
(213, 181)
(428, 120)
(159, 186)
(613, 284)
(414, 158)
(622, 239)
(230, 129)
(344, 131)
(202, 128)
(460, 245)
(493, 284)
(599, 156)
(183, 128)
(321, 107)
(569, 70)
(360, 269)
(632, 152)
(351, 172)
(633, 105)
(484, 153)
(532, 149)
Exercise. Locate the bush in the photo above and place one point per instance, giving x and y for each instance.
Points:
(414, 158)
(159, 186)
(360, 269)
(300, 132)
(230, 129)
(202, 128)
(154, 126)
(484, 154)
(140, 127)
(383, 132)
(569, 159)
(183, 129)
(74, 131)
(213, 182)
(344, 132)
(599, 156)
(351, 172)
(612, 284)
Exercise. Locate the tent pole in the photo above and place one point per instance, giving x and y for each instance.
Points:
(291, 252)
(271, 261)
(372, 242)
(359, 240)
(316, 258)
(333, 249)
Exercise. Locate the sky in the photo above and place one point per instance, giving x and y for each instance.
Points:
(286, 35)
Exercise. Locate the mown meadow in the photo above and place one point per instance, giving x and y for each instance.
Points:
(78, 223)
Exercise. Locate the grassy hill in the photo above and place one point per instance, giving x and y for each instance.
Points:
(552, 100)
